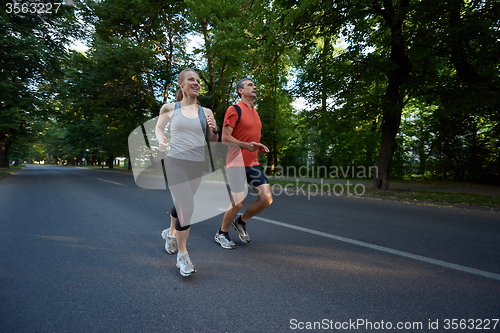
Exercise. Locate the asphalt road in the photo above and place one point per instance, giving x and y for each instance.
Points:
(80, 251)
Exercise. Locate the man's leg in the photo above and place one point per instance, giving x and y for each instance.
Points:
(237, 182)
(233, 209)
(264, 199)
(258, 180)
(222, 236)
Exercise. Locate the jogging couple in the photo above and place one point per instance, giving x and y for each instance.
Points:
(189, 123)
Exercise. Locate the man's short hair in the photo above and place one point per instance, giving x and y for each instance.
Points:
(241, 85)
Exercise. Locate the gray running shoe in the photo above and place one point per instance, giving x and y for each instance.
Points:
(224, 241)
(242, 231)
(185, 264)
(170, 241)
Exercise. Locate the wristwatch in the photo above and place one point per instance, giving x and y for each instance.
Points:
(216, 131)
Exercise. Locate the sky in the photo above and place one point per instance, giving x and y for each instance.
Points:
(195, 41)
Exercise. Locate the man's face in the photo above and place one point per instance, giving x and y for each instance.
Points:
(249, 89)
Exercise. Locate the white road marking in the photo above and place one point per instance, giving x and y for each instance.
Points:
(109, 181)
(386, 249)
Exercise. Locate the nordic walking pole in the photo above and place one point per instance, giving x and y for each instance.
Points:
(210, 154)
(163, 168)
(223, 172)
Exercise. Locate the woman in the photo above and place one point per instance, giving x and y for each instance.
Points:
(185, 160)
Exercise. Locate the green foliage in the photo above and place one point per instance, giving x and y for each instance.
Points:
(160, 26)
(30, 48)
(411, 86)
(106, 97)
(452, 80)
(228, 40)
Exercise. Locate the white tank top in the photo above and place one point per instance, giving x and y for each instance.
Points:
(187, 140)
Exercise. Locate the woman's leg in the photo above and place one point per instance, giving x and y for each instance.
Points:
(173, 221)
(187, 178)
(169, 234)
(182, 236)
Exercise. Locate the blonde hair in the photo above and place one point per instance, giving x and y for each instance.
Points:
(179, 95)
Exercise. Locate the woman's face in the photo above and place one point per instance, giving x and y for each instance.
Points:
(190, 84)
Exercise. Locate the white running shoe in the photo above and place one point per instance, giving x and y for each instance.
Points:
(170, 241)
(224, 241)
(185, 264)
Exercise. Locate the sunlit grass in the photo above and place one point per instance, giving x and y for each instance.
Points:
(10, 170)
(410, 196)
(439, 197)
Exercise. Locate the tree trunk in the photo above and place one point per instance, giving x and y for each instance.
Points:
(393, 98)
(390, 126)
(324, 74)
(4, 150)
(110, 162)
(210, 63)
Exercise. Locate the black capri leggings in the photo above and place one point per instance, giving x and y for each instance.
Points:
(184, 179)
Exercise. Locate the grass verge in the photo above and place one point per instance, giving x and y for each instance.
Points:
(5, 171)
(456, 199)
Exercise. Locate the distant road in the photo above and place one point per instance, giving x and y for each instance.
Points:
(80, 251)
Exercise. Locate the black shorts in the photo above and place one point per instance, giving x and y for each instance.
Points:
(253, 175)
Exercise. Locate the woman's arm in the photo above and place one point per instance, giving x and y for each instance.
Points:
(163, 119)
(211, 126)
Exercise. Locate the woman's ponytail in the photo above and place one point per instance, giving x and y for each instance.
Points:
(179, 95)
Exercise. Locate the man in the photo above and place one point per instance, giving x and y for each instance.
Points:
(243, 132)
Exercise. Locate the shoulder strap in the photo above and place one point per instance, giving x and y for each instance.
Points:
(203, 119)
(238, 110)
(177, 109)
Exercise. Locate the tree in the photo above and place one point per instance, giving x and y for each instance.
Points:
(226, 32)
(161, 26)
(105, 96)
(442, 54)
(241, 39)
(31, 45)
(454, 49)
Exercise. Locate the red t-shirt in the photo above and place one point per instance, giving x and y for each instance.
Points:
(248, 130)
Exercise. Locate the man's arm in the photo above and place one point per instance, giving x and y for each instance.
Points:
(227, 136)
